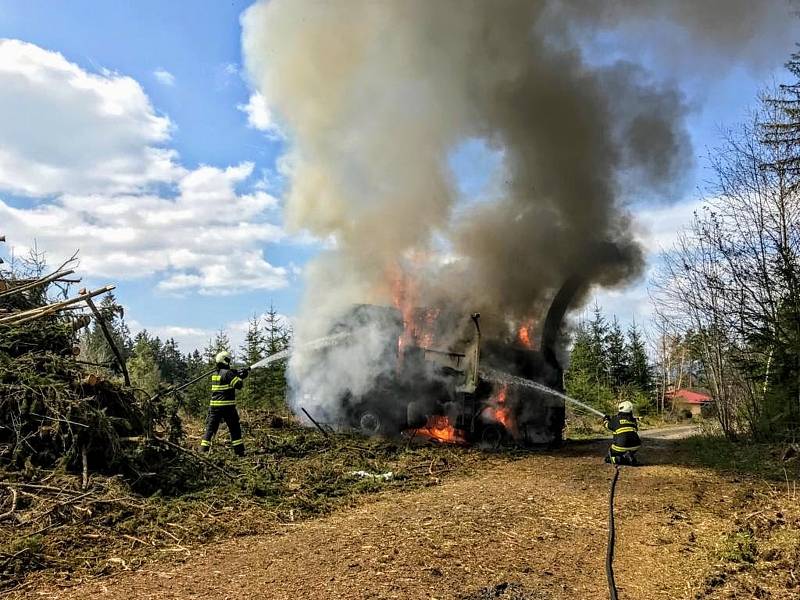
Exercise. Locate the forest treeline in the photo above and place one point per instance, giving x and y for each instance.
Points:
(155, 364)
(730, 287)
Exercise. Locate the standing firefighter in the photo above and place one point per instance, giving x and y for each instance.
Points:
(224, 384)
(626, 436)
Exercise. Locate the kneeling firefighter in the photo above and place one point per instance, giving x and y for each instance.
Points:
(626, 440)
(224, 383)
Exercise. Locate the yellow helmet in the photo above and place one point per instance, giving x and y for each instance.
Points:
(223, 358)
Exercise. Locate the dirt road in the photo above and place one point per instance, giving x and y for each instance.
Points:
(670, 433)
(538, 522)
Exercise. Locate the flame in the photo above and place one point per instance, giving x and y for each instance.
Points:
(524, 333)
(404, 296)
(418, 324)
(497, 409)
(440, 429)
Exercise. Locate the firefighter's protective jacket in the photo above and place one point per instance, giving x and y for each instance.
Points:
(626, 432)
(224, 384)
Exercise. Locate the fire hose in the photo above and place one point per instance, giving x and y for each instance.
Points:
(612, 585)
(278, 356)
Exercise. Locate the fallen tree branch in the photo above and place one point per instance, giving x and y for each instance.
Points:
(102, 322)
(48, 309)
(37, 283)
(13, 504)
(318, 426)
(194, 455)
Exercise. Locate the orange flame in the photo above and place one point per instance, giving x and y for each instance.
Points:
(404, 298)
(524, 334)
(497, 409)
(440, 429)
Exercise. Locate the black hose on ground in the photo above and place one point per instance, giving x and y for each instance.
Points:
(612, 585)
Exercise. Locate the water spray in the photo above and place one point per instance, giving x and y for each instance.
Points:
(503, 377)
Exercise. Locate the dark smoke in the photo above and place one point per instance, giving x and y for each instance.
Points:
(375, 95)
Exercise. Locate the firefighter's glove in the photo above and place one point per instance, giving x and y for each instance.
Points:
(243, 373)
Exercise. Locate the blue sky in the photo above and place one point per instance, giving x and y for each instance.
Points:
(185, 127)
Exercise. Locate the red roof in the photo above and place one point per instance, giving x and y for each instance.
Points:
(690, 397)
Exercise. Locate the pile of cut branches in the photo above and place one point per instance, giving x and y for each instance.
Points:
(52, 412)
(59, 420)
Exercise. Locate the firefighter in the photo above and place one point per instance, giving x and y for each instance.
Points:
(224, 383)
(626, 436)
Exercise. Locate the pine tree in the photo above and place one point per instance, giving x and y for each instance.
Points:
(598, 332)
(641, 373)
(617, 356)
(221, 342)
(277, 337)
(252, 351)
(142, 366)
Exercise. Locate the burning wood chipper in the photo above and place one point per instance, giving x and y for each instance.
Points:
(427, 372)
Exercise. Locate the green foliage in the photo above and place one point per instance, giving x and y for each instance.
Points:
(94, 346)
(606, 367)
(153, 362)
(268, 335)
(252, 351)
(143, 366)
(738, 547)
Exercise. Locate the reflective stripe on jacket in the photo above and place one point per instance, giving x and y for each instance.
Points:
(626, 432)
(224, 384)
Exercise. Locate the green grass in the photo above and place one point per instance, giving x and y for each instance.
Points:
(740, 457)
(738, 547)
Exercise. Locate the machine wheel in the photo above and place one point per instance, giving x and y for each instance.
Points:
(492, 436)
(369, 423)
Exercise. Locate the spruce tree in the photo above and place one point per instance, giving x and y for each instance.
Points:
(585, 379)
(277, 337)
(252, 351)
(641, 373)
(94, 346)
(172, 363)
(617, 356)
(220, 343)
(142, 366)
(598, 333)
(197, 395)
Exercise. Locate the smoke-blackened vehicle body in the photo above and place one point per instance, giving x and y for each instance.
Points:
(430, 374)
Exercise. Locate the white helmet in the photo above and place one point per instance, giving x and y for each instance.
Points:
(625, 407)
(223, 358)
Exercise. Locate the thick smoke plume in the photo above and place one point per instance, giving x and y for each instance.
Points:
(376, 95)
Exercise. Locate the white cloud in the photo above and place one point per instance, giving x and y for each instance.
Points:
(207, 238)
(65, 130)
(258, 114)
(164, 76)
(82, 144)
(657, 227)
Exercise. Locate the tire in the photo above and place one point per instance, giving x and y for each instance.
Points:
(370, 423)
(493, 436)
(416, 416)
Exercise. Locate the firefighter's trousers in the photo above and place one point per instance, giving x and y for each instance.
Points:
(622, 456)
(229, 414)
